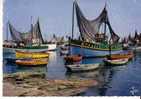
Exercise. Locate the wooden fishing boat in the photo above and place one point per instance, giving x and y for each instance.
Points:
(73, 58)
(116, 61)
(128, 55)
(20, 54)
(29, 41)
(92, 40)
(32, 62)
(88, 49)
(82, 67)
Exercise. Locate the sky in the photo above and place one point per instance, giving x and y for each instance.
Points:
(56, 15)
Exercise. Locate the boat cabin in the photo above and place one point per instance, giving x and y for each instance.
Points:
(100, 37)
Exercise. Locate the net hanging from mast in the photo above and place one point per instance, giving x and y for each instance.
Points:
(88, 28)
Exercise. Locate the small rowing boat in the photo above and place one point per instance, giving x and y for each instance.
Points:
(82, 67)
(116, 61)
(20, 54)
(128, 55)
(73, 58)
(32, 62)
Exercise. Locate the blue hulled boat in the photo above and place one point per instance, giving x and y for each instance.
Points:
(92, 42)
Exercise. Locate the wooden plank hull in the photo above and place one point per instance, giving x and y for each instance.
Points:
(73, 58)
(13, 50)
(85, 52)
(46, 47)
(128, 55)
(32, 62)
(82, 67)
(116, 62)
(87, 49)
(20, 54)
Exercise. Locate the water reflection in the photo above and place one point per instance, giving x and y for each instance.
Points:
(104, 77)
(116, 80)
(107, 78)
(85, 75)
(9, 68)
(56, 68)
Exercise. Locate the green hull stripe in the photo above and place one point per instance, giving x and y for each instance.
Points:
(101, 49)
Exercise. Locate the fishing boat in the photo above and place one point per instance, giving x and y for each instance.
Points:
(29, 49)
(73, 58)
(52, 46)
(92, 42)
(22, 54)
(135, 42)
(29, 41)
(112, 62)
(82, 67)
(40, 48)
(125, 44)
(8, 45)
(128, 55)
(32, 62)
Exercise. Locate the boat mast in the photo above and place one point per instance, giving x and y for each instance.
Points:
(39, 32)
(7, 31)
(31, 31)
(105, 28)
(105, 21)
(73, 20)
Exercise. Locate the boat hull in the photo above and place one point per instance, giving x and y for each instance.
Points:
(74, 58)
(32, 62)
(89, 49)
(82, 67)
(86, 52)
(116, 62)
(52, 47)
(20, 54)
(13, 50)
(128, 55)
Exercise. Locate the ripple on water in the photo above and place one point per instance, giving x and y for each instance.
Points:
(113, 81)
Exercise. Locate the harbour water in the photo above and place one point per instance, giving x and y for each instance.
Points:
(113, 81)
